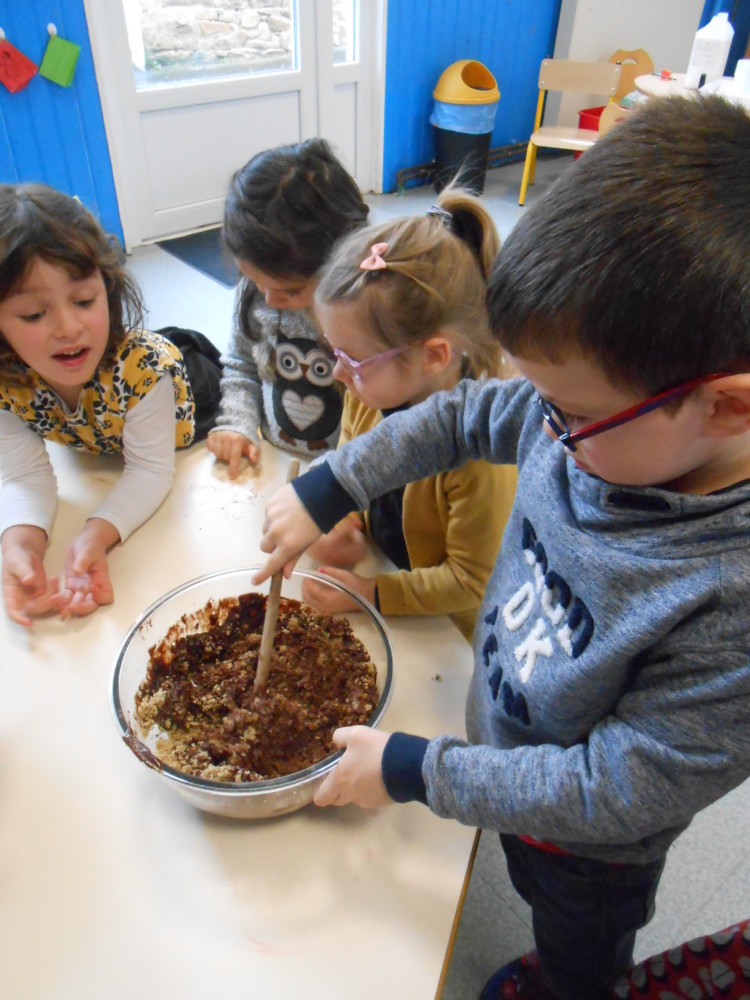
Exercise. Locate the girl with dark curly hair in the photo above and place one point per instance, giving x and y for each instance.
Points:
(76, 368)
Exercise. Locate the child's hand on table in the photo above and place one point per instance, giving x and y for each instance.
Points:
(26, 590)
(357, 778)
(87, 583)
(331, 601)
(229, 447)
(287, 531)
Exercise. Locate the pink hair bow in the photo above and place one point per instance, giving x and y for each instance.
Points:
(375, 261)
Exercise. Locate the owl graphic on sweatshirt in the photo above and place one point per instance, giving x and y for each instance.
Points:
(306, 397)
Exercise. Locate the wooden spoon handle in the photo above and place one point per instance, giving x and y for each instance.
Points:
(272, 612)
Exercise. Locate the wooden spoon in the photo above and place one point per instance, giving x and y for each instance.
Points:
(272, 612)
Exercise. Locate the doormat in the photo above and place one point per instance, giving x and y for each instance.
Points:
(204, 251)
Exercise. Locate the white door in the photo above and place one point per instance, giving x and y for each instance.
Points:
(180, 121)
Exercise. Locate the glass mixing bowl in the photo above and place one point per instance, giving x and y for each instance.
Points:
(251, 799)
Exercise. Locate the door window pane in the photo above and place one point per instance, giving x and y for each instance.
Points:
(194, 40)
(345, 31)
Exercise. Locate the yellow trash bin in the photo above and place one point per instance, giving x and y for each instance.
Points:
(466, 98)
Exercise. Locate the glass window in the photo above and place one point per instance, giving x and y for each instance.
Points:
(195, 40)
(345, 31)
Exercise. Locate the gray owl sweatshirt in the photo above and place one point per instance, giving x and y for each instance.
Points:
(281, 381)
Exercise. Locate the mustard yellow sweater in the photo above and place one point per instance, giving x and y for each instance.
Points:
(453, 524)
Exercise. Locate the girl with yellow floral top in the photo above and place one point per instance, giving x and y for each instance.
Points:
(77, 369)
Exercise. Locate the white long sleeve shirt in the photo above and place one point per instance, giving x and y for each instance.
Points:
(29, 486)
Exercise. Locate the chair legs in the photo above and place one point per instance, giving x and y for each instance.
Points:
(529, 169)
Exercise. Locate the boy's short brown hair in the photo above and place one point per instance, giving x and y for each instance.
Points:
(639, 256)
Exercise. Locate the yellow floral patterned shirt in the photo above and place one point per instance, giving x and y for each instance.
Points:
(97, 424)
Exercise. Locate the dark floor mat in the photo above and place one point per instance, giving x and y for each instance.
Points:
(204, 252)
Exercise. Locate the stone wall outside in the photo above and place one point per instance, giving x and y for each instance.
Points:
(197, 37)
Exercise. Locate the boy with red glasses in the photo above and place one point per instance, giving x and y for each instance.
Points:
(611, 696)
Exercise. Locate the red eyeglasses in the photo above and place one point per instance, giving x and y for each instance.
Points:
(556, 419)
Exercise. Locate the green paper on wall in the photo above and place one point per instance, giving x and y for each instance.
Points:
(59, 63)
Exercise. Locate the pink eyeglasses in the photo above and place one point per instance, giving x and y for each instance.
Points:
(556, 419)
(355, 367)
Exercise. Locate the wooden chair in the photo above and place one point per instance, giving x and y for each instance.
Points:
(634, 62)
(567, 76)
(611, 115)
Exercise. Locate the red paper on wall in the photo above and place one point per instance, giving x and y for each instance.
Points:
(15, 69)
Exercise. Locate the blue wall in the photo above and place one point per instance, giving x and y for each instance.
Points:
(511, 37)
(55, 134)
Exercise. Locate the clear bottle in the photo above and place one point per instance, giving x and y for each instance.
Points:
(710, 51)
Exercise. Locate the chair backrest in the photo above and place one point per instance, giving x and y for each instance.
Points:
(573, 76)
(611, 115)
(634, 62)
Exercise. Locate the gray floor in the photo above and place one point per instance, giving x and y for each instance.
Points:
(706, 885)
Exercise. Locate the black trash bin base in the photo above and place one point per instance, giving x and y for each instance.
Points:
(457, 153)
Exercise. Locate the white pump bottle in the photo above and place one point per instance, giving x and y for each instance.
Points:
(710, 51)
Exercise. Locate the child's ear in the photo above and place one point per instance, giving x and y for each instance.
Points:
(729, 411)
(437, 352)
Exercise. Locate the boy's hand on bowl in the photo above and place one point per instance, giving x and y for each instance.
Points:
(287, 531)
(357, 778)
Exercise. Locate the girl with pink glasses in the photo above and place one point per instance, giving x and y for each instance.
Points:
(402, 307)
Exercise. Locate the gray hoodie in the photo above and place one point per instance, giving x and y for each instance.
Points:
(281, 382)
(610, 700)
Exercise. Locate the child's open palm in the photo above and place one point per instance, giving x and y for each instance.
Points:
(85, 591)
(87, 583)
(26, 590)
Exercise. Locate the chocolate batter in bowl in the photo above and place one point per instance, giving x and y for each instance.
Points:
(183, 701)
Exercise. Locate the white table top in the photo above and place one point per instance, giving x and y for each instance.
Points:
(727, 87)
(113, 886)
(653, 85)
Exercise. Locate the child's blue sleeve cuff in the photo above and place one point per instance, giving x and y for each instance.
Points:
(324, 499)
(402, 768)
